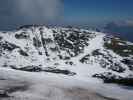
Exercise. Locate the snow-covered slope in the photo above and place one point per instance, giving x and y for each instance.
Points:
(21, 85)
(70, 51)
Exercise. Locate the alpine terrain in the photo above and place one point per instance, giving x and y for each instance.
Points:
(44, 63)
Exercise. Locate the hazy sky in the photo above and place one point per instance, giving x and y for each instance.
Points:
(19, 12)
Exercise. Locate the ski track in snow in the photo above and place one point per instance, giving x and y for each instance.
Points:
(94, 43)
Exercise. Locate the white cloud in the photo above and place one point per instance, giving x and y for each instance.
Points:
(34, 9)
(19, 12)
(125, 23)
(129, 22)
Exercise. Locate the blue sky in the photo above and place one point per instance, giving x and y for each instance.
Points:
(14, 13)
(97, 11)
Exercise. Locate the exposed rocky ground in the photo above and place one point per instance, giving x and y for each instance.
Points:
(65, 51)
(71, 52)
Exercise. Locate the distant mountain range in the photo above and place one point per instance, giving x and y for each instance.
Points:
(123, 29)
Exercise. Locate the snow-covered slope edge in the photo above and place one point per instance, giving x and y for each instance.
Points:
(20, 85)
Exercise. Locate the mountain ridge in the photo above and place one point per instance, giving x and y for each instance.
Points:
(70, 51)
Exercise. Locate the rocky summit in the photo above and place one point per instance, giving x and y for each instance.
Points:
(68, 51)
